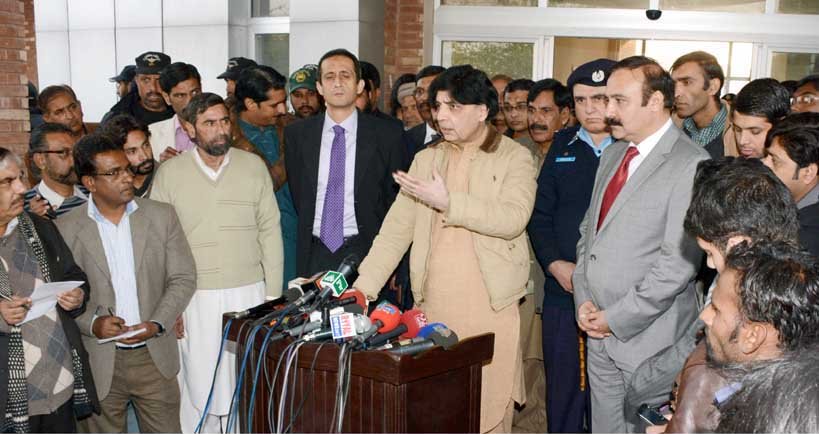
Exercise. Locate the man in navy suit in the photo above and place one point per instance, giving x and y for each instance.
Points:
(340, 167)
(563, 195)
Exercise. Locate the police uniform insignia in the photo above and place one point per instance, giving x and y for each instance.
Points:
(300, 76)
(598, 76)
(150, 59)
(232, 64)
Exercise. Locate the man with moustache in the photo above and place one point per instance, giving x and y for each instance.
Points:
(340, 166)
(179, 83)
(304, 98)
(134, 138)
(147, 104)
(499, 82)
(633, 283)
(549, 107)
(51, 152)
(759, 106)
(124, 80)
(225, 201)
(515, 110)
(60, 106)
(564, 191)
(421, 136)
(698, 79)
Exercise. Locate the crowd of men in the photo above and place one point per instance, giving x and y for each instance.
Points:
(182, 205)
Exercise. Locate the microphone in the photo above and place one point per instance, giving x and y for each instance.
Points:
(436, 334)
(411, 322)
(347, 268)
(317, 289)
(358, 324)
(385, 317)
(357, 295)
(315, 325)
(266, 306)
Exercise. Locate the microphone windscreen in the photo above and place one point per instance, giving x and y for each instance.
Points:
(429, 329)
(414, 319)
(443, 337)
(388, 314)
(360, 299)
(349, 266)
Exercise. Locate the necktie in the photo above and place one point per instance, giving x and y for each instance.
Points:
(616, 184)
(332, 217)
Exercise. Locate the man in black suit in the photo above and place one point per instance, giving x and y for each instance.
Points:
(341, 167)
(793, 155)
(419, 136)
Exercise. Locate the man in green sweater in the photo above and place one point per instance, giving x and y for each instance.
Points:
(225, 201)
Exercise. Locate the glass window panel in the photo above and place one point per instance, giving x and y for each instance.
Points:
(741, 55)
(489, 2)
(666, 52)
(734, 86)
(798, 7)
(269, 8)
(612, 4)
(514, 59)
(793, 66)
(747, 6)
(572, 52)
(273, 49)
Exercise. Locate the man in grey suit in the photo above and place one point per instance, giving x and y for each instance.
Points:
(143, 274)
(633, 285)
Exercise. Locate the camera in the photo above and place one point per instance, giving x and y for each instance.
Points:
(653, 14)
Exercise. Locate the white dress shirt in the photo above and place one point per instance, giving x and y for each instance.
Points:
(210, 173)
(646, 146)
(350, 126)
(119, 254)
(56, 199)
(430, 132)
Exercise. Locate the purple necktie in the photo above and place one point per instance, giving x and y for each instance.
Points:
(332, 217)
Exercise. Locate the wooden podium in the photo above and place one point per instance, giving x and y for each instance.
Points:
(435, 391)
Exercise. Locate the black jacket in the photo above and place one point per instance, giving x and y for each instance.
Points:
(379, 153)
(809, 228)
(129, 104)
(62, 267)
(564, 190)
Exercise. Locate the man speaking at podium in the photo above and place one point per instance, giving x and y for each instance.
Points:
(225, 201)
(464, 206)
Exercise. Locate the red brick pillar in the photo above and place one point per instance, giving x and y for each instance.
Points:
(403, 41)
(14, 118)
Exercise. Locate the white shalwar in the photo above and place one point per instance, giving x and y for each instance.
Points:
(199, 349)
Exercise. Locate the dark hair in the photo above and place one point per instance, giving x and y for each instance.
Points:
(811, 79)
(466, 85)
(790, 85)
(255, 82)
(199, 104)
(709, 65)
(518, 84)
(394, 103)
(429, 71)
(763, 97)
(39, 137)
(798, 135)
(176, 73)
(561, 94)
(777, 395)
(51, 92)
(344, 53)
(87, 148)
(739, 197)
(118, 127)
(370, 73)
(655, 78)
(778, 284)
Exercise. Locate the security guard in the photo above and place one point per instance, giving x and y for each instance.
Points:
(146, 104)
(234, 67)
(563, 194)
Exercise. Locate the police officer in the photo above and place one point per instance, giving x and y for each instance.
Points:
(235, 66)
(124, 80)
(147, 104)
(304, 96)
(563, 195)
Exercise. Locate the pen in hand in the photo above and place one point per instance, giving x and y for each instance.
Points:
(6, 297)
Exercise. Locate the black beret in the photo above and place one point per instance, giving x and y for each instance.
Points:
(594, 73)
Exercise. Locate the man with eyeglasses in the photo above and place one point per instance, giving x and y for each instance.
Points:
(564, 191)
(549, 108)
(515, 110)
(60, 106)
(806, 96)
(420, 136)
(50, 152)
(141, 284)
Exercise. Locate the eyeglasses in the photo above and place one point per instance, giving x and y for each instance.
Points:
(63, 153)
(522, 107)
(115, 173)
(806, 99)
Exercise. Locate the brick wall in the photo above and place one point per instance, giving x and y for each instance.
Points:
(403, 41)
(14, 118)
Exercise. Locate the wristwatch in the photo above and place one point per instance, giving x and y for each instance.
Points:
(161, 329)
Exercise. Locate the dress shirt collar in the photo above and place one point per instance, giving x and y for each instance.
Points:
(585, 136)
(811, 198)
(651, 141)
(11, 226)
(95, 214)
(212, 174)
(350, 124)
(54, 198)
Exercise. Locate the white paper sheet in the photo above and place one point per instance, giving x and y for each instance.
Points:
(125, 335)
(44, 298)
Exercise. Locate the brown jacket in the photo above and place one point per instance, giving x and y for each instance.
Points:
(694, 409)
(496, 210)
